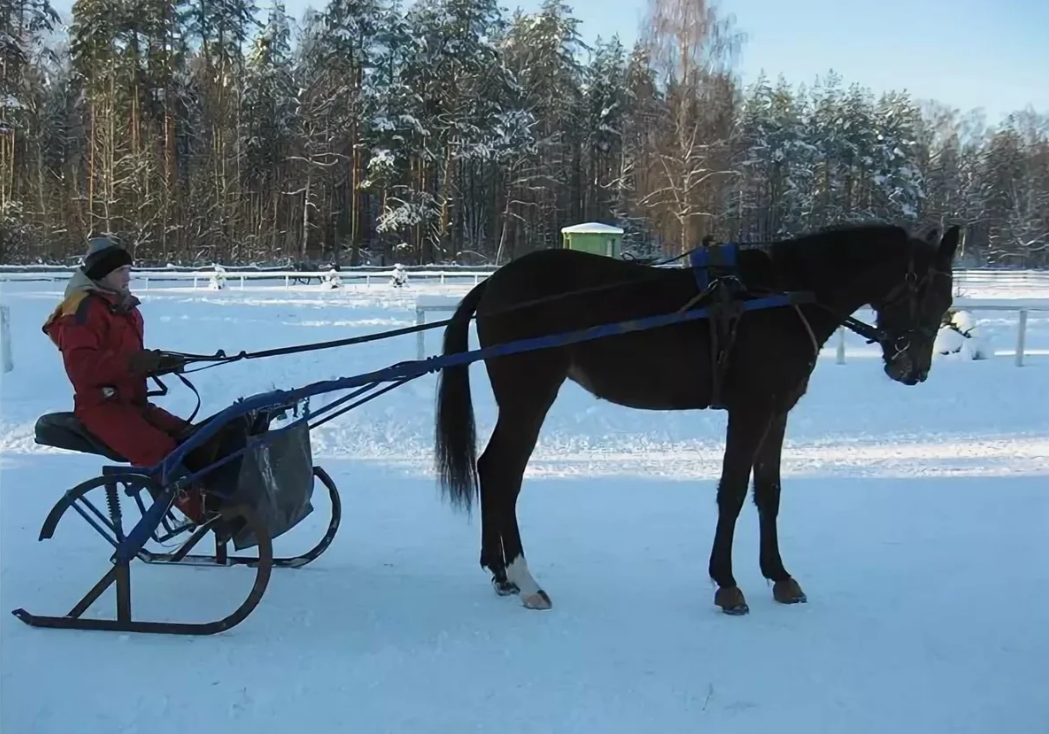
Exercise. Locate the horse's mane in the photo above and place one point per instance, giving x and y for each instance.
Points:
(840, 247)
(848, 244)
(849, 237)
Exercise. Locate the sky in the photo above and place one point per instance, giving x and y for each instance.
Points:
(987, 54)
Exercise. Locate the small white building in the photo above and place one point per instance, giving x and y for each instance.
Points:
(595, 237)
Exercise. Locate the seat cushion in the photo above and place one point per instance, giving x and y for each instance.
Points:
(65, 431)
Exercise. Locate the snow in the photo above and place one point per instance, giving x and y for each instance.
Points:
(914, 519)
(591, 228)
(966, 338)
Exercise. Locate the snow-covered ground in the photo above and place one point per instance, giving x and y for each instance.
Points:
(914, 518)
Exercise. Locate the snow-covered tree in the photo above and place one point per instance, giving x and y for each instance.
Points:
(452, 130)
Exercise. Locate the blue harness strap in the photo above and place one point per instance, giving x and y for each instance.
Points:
(703, 260)
(709, 264)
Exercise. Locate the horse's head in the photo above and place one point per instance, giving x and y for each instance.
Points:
(910, 314)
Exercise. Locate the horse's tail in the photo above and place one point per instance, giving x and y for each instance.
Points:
(456, 435)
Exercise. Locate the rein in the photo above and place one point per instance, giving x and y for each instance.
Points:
(910, 289)
(176, 362)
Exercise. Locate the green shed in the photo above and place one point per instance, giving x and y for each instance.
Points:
(600, 239)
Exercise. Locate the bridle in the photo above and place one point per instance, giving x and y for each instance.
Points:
(911, 291)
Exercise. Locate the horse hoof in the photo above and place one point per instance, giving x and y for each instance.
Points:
(538, 600)
(504, 588)
(788, 592)
(731, 601)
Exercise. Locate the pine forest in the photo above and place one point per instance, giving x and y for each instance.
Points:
(453, 131)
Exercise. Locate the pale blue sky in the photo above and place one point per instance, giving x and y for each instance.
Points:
(991, 54)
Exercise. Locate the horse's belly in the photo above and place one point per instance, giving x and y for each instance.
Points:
(639, 380)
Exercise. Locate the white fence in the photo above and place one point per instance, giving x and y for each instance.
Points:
(429, 304)
(1026, 280)
(458, 276)
(1006, 279)
(5, 339)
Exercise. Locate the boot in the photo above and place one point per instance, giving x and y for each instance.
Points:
(190, 503)
(190, 500)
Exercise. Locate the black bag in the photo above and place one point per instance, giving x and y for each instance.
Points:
(274, 476)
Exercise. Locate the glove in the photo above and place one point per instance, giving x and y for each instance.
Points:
(145, 362)
(170, 363)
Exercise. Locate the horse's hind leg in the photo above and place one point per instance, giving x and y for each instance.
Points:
(523, 406)
(766, 496)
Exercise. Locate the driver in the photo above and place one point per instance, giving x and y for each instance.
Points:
(99, 331)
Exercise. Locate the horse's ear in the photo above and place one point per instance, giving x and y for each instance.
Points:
(949, 244)
(930, 237)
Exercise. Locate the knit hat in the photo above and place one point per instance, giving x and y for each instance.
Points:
(103, 257)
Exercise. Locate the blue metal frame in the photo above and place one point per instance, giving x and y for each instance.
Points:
(403, 372)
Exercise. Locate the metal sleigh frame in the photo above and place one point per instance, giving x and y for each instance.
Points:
(163, 482)
(154, 498)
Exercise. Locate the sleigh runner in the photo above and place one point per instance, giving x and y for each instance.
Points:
(265, 488)
(615, 311)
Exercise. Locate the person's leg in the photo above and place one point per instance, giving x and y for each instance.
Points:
(165, 421)
(126, 430)
(194, 461)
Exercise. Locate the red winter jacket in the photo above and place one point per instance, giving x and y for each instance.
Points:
(97, 331)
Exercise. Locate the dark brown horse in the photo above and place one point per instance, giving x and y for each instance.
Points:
(768, 362)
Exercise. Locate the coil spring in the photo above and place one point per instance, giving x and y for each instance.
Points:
(113, 505)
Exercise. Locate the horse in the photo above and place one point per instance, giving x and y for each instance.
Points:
(757, 373)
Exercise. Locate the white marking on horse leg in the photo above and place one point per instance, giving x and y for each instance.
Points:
(531, 595)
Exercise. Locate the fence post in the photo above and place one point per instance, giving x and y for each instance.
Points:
(1021, 333)
(5, 340)
(841, 346)
(420, 346)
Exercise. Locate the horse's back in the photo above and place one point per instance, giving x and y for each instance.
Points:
(563, 271)
(558, 290)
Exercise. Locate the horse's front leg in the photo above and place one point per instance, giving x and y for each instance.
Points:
(766, 496)
(746, 429)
